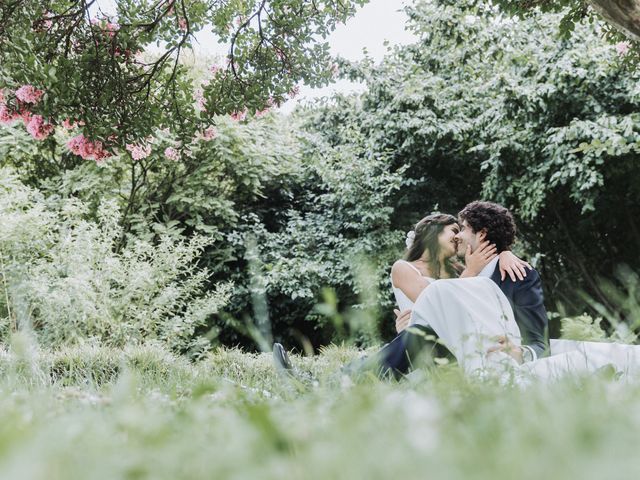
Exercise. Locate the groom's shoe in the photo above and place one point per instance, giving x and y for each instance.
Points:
(281, 359)
(301, 380)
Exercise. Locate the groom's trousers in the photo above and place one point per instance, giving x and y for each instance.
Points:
(415, 346)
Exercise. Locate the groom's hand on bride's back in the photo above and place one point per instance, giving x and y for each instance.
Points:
(402, 319)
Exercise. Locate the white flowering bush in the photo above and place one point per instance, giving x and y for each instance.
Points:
(63, 276)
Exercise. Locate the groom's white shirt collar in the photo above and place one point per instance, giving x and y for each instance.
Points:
(489, 268)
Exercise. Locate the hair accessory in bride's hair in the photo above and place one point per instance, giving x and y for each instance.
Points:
(411, 235)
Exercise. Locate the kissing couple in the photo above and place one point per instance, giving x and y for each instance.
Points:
(488, 314)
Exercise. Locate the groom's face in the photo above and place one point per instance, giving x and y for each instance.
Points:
(466, 236)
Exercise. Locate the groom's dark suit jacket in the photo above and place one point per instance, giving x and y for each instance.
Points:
(525, 297)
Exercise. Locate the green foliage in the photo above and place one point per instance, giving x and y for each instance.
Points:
(482, 105)
(583, 327)
(341, 224)
(62, 277)
(143, 412)
(503, 109)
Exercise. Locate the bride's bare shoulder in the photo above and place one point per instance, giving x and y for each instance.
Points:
(401, 269)
(400, 265)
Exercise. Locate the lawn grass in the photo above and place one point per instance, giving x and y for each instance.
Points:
(90, 412)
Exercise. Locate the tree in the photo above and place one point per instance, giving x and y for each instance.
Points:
(484, 106)
(66, 63)
(87, 86)
(623, 15)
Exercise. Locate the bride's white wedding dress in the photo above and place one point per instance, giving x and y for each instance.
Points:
(468, 314)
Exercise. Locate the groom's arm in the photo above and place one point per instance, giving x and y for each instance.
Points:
(528, 308)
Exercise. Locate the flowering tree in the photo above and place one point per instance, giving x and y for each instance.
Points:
(66, 64)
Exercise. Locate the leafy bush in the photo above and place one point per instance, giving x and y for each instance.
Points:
(341, 225)
(63, 277)
(583, 327)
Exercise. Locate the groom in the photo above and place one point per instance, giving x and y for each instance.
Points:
(482, 221)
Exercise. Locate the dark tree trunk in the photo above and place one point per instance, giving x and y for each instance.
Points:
(623, 14)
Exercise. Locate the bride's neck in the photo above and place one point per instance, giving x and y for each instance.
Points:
(426, 263)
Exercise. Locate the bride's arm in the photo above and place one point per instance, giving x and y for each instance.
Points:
(512, 265)
(402, 319)
(408, 280)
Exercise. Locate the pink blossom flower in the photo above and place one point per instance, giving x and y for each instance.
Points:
(67, 124)
(38, 129)
(79, 145)
(623, 48)
(111, 29)
(214, 69)
(182, 23)
(108, 28)
(335, 70)
(262, 113)
(88, 150)
(239, 116)
(25, 115)
(209, 133)
(200, 100)
(172, 154)
(7, 115)
(272, 102)
(99, 154)
(138, 152)
(29, 94)
(47, 22)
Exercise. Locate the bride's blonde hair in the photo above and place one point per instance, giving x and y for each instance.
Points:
(425, 238)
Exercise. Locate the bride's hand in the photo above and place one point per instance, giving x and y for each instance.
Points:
(480, 258)
(505, 345)
(512, 265)
(402, 319)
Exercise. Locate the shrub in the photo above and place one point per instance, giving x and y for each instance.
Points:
(63, 276)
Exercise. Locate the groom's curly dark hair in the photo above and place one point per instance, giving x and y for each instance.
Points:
(496, 219)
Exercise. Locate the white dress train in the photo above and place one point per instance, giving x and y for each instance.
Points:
(468, 314)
